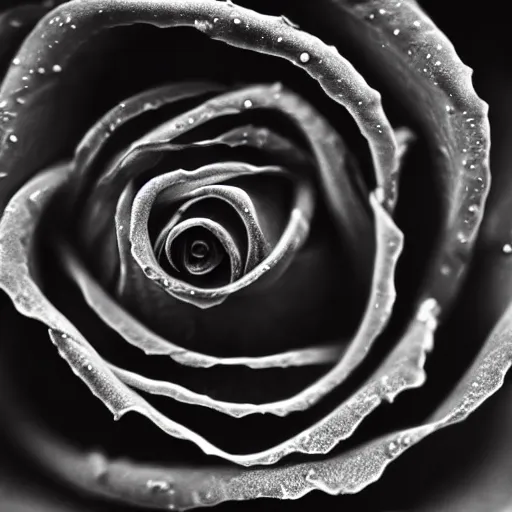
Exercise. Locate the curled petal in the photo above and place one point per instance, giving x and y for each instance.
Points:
(406, 49)
(257, 32)
(150, 343)
(179, 183)
(222, 236)
(258, 246)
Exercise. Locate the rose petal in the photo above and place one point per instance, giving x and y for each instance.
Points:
(150, 343)
(18, 226)
(338, 78)
(405, 48)
(181, 183)
(241, 202)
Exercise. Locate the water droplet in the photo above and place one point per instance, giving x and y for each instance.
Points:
(99, 465)
(246, 210)
(33, 197)
(56, 68)
(449, 109)
(507, 249)
(192, 292)
(304, 57)
(396, 31)
(406, 440)
(416, 23)
(473, 208)
(279, 39)
(311, 474)
(427, 313)
(247, 103)
(203, 25)
(150, 273)
(3, 103)
(382, 11)
(446, 270)
(461, 237)
(41, 70)
(13, 138)
(437, 63)
(392, 449)
(16, 61)
(159, 486)
(237, 21)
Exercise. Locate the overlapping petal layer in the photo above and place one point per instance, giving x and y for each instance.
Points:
(120, 194)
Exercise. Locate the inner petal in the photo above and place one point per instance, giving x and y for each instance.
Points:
(214, 246)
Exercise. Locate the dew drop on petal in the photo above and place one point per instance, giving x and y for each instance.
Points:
(427, 312)
(304, 57)
(33, 197)
(56, 68)
(150, 273)
(446, 270)
(392, 449)
(462, 238)
(247, 103)
(406, 440)
(507, 249)
(203, 25)
(311, 474)
(158, 486)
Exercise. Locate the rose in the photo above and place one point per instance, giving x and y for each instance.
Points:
(392, 446)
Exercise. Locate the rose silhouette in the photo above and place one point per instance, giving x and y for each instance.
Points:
(209, 236)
